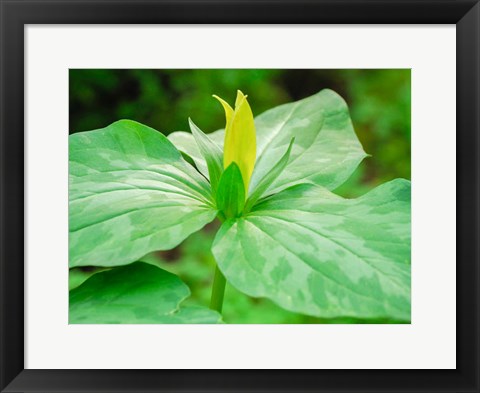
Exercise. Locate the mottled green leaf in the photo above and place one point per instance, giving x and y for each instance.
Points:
(130, 193)
(313, 252)
(211, 153)
(231, 192)
(326, 150)
(138, 293)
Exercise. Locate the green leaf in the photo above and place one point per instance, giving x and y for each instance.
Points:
(313, 252)
(326, 150)
(130, 193)
(231, 192)
(78, 275)
(133, 294)
(212, 154)
(269, 178)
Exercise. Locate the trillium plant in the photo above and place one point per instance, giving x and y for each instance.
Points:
(284, 234)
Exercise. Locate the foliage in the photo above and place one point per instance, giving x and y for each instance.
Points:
(294, 242)
(137, 293)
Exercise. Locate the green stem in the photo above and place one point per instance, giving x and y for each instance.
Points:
(218, 290)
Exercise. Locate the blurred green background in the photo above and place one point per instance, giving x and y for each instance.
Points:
(379, 103)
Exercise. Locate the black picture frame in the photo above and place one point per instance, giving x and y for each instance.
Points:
(15, 14)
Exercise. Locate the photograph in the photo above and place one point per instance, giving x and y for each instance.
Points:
(239, 196)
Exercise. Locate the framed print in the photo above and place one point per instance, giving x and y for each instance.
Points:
(310, 227)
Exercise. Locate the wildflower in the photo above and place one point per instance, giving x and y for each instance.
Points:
(240, 137)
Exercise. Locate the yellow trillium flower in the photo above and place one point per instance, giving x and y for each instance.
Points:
(240, 137)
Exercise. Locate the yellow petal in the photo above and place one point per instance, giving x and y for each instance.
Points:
(240, 140)
(240, 98)
(228, 110)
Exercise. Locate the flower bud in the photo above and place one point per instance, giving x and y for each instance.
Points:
(240, 137)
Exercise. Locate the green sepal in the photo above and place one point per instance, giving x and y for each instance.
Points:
(211, 153)
(231, 192)
(185, 143)
(269, 178)
(138, 293)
